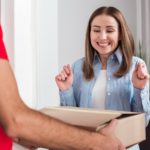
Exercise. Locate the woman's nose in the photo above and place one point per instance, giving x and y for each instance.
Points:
(103, 35)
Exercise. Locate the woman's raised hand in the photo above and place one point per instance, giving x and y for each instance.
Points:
(140, 76)
(64, 79)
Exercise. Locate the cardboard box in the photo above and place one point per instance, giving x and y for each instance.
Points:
(130, 129)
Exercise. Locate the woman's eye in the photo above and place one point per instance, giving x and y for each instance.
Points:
(109, 31)
(96, 30)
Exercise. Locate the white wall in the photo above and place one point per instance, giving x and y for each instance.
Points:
(7, 23)
(24, 63)
(47, 53)
(30, 35)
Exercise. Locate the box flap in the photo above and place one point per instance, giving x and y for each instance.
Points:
(83, 116)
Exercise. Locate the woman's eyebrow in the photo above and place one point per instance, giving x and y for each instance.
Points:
(111, 26)
(95, 26)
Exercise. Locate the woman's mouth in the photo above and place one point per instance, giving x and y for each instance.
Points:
(103, 45)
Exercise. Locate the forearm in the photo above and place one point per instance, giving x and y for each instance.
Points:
(40, 130)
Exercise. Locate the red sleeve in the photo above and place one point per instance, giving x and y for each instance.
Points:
(5, 141)
(3, 53)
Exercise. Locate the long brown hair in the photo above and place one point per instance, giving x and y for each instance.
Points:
(126, 43)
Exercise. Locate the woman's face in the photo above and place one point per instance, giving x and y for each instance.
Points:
(104, 34)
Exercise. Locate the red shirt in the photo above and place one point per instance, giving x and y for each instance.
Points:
(3, 53)
(5, 141)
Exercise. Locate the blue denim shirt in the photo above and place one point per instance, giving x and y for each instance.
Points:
(120, 92)
(121, 95)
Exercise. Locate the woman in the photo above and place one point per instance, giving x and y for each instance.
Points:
(109, 77)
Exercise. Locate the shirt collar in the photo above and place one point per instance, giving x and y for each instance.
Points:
(117, 55)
